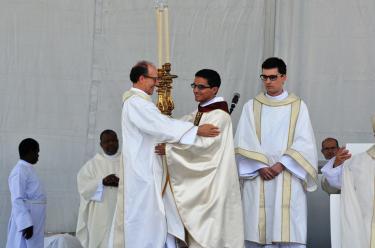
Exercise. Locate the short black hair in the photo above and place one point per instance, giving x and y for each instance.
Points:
(275, 62)
(329, 138)
(107, 131)
(139, 69)
(212, 77)
(26, 146)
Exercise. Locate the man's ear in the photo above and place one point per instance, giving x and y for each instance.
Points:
(216, 89)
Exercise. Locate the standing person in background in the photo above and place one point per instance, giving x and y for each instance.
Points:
(97, 184)
(277, 161)
(27, 220)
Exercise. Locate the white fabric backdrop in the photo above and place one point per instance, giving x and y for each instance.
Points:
(65, 64)
(328, 46)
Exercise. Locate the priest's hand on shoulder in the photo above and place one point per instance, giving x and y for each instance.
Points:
(267, 173)
(208, 130)
(28, 232)
(277, 168)
(160, 149)
(111, 180)
(342, 154)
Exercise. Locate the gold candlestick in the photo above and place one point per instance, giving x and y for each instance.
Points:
(165, 100)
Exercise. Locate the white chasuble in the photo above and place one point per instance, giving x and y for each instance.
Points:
(28, 206)
(357, 201)
(205, 185)
(144, 222)
(97, 202)
(270, 131)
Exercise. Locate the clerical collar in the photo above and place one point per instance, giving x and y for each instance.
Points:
(214, 103)
(213, 100)
(280, 97)
(111, 157)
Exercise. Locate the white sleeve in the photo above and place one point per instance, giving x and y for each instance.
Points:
(189, 137)
(292, 166)
(98, 195)
(18, 192)
(248, 167)
(333, 175)
(147, 118)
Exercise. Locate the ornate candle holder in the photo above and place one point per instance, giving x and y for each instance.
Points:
(165, 100)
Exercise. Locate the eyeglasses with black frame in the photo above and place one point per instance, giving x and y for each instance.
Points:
(270, 77)
(199, 86)
(154, 78)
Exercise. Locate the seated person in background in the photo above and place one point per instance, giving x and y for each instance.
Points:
(97, 185)
(330, 149)
(27, 220)
(356, 178)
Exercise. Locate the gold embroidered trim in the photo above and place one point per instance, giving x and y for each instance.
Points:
(293, 121)
(264, 100)
(285, 207)
(257, 110)
(304, 163)
(197, 119)
(252, 155)
(287, 176)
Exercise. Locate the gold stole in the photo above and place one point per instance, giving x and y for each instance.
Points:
(197, 118)
(287, 177)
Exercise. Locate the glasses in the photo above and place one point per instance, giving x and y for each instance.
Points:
(154, 78)
(199, 86)
(270, 77)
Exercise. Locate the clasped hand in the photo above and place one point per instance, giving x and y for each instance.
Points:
(111, 180)
(269, 173)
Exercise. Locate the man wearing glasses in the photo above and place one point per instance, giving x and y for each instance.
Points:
(203, 176)
(143, 126)
(277, 162)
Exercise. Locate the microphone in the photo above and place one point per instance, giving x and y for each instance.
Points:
(235, 98)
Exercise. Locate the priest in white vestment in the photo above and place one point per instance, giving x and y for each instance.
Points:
(277, 161)
(356, 179)
(97, 184)
(143, 223)
(27, 220)
(203, 175)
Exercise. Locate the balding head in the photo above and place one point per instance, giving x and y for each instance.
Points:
(329, 147)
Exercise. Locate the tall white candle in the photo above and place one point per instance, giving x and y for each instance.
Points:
(159, 27)
(166, 37)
